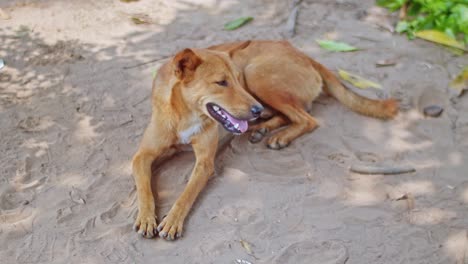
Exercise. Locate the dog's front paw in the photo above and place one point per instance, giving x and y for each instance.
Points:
(171, 226)
(145, 224)
(277, 142)
(257, 135)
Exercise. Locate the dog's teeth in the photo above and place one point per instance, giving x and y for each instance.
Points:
(236, 126)
(224, 116)
(215, 108)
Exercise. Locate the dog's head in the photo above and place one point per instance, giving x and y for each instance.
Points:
(211, 84)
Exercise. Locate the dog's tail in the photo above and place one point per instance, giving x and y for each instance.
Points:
(384, 109)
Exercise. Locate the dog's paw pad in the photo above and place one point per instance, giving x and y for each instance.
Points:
(170, 227)
(257, 135)
(146, 226)
(276, 143)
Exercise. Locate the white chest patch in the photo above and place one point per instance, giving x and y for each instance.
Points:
(186, 135)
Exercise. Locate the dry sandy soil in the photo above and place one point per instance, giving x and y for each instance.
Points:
(74, 104)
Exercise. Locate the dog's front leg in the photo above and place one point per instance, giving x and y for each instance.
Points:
(155, 146)
(204, 145)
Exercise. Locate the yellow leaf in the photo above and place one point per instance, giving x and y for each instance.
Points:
(460, 82)
(357, 81)
(439, 37)
(455, 51)
(246, 245)
(139, 19)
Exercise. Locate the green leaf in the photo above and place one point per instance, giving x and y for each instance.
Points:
(402, 26)
(235, 24)
(449, 32)
(357, 80)
(335, 46)
(393, 5)
(413, 9)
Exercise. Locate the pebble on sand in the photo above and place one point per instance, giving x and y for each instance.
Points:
(433, 110)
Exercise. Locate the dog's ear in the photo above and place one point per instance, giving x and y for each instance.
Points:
(241, 46)
(185, 63)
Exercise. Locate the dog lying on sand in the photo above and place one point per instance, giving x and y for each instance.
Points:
(230, 85)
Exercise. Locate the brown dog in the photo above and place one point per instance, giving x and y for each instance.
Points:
(201, 88)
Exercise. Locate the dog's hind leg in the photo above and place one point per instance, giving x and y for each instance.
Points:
(261, 129)
(288, 83)
(290, 106)
(291, 112)
(301, 123)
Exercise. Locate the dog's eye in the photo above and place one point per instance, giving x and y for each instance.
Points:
(222, 83)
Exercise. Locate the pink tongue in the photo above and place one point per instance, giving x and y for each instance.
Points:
(243, 125)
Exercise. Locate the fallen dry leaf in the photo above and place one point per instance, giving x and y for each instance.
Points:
(246, 245)
(455, 51)
(357, 80)
(440, 38)
(460, 82)
(141, 19)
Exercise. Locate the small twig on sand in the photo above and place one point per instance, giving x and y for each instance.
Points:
(141, 100)
(382, 169)
(145, 63)
(291, 23)
(365, 38)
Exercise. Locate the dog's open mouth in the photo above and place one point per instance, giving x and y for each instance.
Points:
(229, 122)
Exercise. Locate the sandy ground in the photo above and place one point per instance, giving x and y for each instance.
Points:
(72, 114)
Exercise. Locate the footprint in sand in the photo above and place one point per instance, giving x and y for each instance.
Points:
(16, 196)
(310, 252)
(34, 124)
(108, 215)
(10, 199)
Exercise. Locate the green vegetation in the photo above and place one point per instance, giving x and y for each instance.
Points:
(448, 16)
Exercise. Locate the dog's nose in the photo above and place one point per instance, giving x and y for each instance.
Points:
(256, 110)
